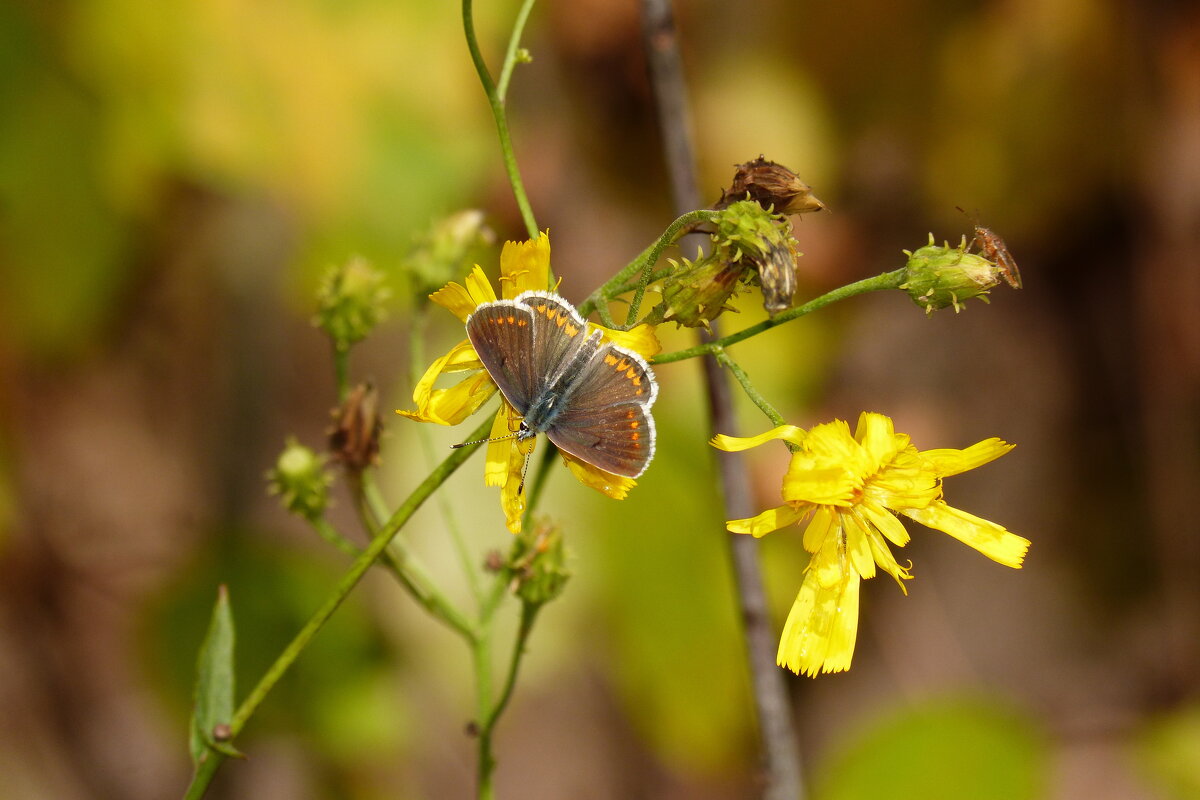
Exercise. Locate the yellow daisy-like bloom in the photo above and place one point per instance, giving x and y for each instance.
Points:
(523, 266)
(849, 489)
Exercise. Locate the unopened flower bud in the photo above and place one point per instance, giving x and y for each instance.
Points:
(537, 564)
(773, 186)
(446, 250)
(350, 302)
(300, 480)
(940, 276)
(354, 437)
(698, 290)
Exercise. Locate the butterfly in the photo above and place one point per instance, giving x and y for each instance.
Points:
(591, 398)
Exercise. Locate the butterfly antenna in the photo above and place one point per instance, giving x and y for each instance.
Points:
(485, 441)
(524, 470)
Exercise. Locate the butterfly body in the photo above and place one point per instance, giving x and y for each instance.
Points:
(591, 398)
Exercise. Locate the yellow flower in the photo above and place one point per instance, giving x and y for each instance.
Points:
(523, 266)
(848, 489)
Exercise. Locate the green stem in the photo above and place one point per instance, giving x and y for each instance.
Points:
(529, 613)
(514, 43)
(481, 656)
(407, 568)
(487, 760)
(213, 760)
(888, 280)
(341, 371)
(497, 105)
(334, 537)
(755, 396)
(641, 265)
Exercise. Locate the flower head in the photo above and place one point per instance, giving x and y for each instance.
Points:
(847, 490)
(523, 266)
(944, 276)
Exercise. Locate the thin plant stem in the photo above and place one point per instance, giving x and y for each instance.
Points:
(334, 537)
(409, 570)
(748, 387)
(341, 371)
(374, 499)
(645, 260)
(496, 103)
(514, 44)
(213, 760)
(481, 657)
(487, 760)
(887, 280)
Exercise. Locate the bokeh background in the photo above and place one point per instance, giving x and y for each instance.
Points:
(175, 176)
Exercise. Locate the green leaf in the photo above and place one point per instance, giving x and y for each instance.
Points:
(215, 683)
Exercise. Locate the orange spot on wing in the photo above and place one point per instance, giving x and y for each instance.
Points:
(634, 424)
(610, 360)
(511, 320)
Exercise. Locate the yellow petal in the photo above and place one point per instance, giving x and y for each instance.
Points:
(615, 486)
(641, 339)
(830, 564)
(887, 562)
(479, 287)
(811, 481)
(952, 462)
(770, 520)
(885, 521)
(525, 266)
(499, 454)
(825, 522)
(460, 300)
(874, 430)
(821, 629)
(732, 444)
(512, 500)
(450, 406)
(987, 537)
(858, 551)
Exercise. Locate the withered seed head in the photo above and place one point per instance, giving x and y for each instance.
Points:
(354, 436)
(773, 186)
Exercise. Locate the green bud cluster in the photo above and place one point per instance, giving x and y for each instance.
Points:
(350, 302)
(750, 245)
(446, 251)
(301, 481)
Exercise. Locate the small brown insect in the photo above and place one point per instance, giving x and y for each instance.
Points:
(993, 248)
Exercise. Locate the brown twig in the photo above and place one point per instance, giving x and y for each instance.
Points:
(780, 752)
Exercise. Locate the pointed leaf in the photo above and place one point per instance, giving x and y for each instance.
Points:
(215, 688)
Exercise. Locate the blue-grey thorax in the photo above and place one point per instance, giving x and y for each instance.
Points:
(546, 405)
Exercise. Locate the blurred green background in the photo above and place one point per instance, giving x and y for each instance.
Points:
(173, 178)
